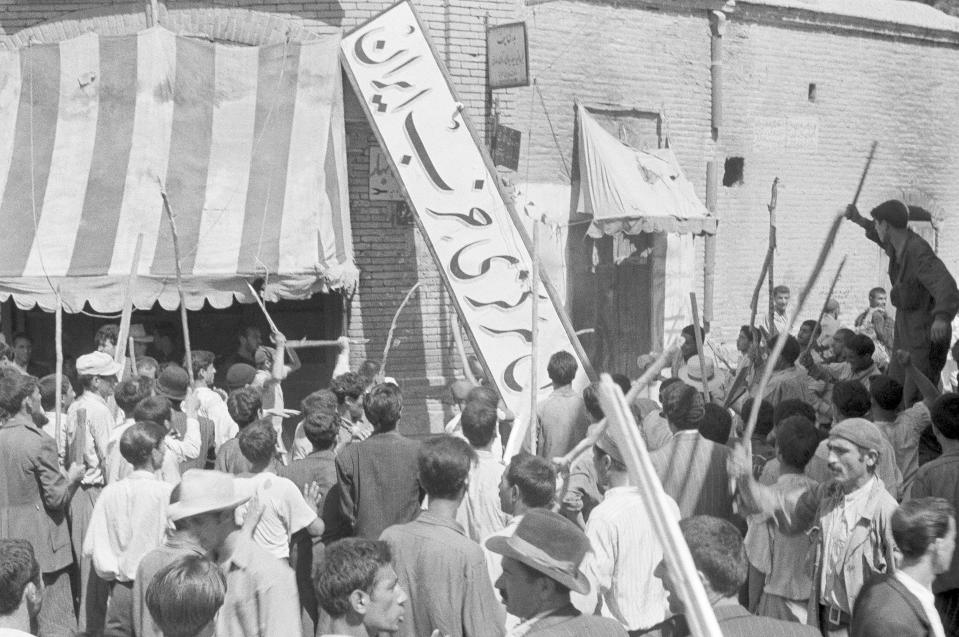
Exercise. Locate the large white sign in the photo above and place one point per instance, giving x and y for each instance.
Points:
(473, 233)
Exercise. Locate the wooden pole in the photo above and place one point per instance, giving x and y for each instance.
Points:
(754, 303)
(460, 348)
(133, 358)
(389, 336)
(58, 344)
(306, 343)
(781, 342)
(534, 350)
(259, 301)
(179, 285)
(773, 199)
(699, 612)
(127, 314)
(865, 171)
(698, 332)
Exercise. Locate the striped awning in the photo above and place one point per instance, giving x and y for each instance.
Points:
(247, 142)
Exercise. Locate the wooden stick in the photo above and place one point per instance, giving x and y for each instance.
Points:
(822, 313)
(259, 301)
(754, 303)
(133, 358)
(58, 344)
(127, 314)
(781, 342)
(698, 333)
(699, 612)
(460, 348)
(304, 343)
(396, 316)
(179, 284)
(534, 349)
(773, 200)
(865, 171)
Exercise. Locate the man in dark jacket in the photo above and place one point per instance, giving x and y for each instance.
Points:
(924, 293)
(902, 604)
(34, 496)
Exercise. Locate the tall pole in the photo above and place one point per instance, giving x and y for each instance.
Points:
(534, 352)
(59, 378)
(179, 285)
(773, 199)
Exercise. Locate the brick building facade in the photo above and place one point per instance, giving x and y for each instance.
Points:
(803, 93)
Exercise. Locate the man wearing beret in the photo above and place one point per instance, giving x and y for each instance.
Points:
(923, 292)
(848, 517)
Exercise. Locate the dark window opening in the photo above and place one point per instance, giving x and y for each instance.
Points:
(812, 92)
(733, 172)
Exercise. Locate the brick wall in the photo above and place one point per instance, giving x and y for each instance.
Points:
(870, 84)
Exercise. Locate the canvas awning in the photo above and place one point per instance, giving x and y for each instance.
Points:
(248, 143)
(630, 191)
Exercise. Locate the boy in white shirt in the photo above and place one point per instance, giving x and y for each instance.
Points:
(212, 404)
(285, 509)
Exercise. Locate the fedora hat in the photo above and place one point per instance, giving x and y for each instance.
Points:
(173, 383)
(549, 544)
(694, 371)
(139, 333)
(203, 491)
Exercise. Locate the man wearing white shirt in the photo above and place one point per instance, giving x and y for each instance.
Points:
(90, 419)
(903, 604)
(626, 549)
(212, 405)
(781, 316)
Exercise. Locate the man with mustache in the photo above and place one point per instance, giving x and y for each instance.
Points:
(848, 518)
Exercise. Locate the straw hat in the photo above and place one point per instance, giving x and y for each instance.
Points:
(692, 374)
(550, 544)
(204, 491)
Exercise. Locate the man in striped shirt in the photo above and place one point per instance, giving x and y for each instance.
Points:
(625, 548)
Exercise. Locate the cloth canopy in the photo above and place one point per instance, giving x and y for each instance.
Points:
(247, 142)
(631, 191)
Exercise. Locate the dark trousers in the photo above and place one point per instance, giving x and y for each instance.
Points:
(57, 617)
(947, 603)
(119, 621)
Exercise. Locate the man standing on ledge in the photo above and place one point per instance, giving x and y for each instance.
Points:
(923, 292)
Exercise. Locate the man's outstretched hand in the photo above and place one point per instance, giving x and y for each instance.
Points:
(852, 212)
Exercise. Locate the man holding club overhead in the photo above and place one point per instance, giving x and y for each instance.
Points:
(923, 292)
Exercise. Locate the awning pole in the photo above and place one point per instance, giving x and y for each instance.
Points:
(179, 284)
(58, 344)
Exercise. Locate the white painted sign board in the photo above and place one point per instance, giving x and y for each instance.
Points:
(507, 56)
(478, 242)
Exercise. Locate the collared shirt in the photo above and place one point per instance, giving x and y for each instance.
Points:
(261, 597)
(692, 470)
(432, 551)
(561, 423)
(284, 511)
(780, 323)
(788, 383)
(128, 521)
(620, 567)
(926, 599)
(886, 469)
(479, 512)
(904, 434)
(213, 407)
(837, 529)
(118, 468)
(99, 420)
(940, 478)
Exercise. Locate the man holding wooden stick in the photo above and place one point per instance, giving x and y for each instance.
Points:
(923, 291)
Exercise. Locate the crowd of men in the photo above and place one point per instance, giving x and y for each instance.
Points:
(179, 502)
